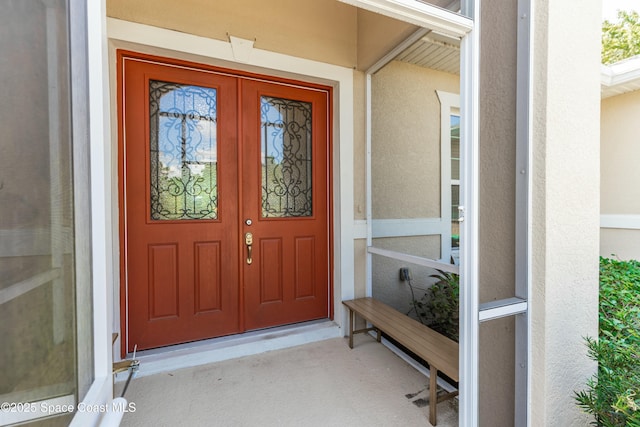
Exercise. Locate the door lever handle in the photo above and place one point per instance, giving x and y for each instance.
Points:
(248, 240)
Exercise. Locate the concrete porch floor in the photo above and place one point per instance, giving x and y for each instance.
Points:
(318, 384)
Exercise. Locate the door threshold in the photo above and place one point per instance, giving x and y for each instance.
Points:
(197, 353)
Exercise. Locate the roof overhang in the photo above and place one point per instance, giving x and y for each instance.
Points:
(621, 77)
(418, 13)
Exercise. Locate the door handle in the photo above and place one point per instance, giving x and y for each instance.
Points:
(248, 240)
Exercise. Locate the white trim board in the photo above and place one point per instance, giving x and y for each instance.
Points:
(628, 222)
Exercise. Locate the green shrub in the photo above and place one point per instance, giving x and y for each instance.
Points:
(439, 307)
(612, 395)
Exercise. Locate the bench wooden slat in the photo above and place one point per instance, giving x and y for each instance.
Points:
(426, 343)
(439, 351)
(416, 337)
(372, 309)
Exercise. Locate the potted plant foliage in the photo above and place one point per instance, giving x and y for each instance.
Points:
(439, 307)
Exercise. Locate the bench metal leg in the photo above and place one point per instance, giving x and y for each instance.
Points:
(352, 321)
(433, 394)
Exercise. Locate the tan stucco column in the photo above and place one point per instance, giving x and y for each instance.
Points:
(566, 118)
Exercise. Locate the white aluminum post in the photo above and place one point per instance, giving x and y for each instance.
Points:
(469, 348)
(523, 209)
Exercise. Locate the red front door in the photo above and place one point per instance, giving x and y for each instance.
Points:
(224, 203)
(285, 163)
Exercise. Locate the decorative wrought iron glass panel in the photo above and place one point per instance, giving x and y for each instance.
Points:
(286, 158)
(183, 151)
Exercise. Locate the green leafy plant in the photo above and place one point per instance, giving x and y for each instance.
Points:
(611, 395)
(439, 307)
(621, 39)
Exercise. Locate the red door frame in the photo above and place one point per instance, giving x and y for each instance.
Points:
(121, 56)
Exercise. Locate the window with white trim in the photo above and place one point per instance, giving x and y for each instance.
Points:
(454, 179)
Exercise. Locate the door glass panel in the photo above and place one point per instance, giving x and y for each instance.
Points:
(286, 158)
(183, 145)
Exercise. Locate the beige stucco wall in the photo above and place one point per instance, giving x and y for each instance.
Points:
(619, 174)
(620, 151)
(405, 169)
(324, 30)
(564, 299)
(497, 150)
(405, 140)
(386, 284)
(497, 203)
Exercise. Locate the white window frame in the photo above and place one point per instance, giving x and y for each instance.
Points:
(449, 105)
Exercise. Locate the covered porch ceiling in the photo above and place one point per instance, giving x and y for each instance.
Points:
(378, 35)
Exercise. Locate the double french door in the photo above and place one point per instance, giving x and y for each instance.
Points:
(224, 202)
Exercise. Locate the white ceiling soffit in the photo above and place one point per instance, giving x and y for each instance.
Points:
(435, 52)
(418, 13)
(621, 77)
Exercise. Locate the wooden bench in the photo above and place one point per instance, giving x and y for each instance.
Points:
(439, 351)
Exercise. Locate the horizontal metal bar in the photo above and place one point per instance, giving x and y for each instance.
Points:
(502, 308)
(21, 288)
(425, 262)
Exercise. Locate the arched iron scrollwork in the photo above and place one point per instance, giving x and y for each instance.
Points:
(183, 149)
(286, 158)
